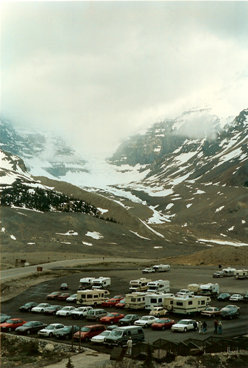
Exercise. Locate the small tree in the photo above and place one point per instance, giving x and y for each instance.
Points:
(69, 363)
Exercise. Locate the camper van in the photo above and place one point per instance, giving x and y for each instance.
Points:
(85, 283)
(241, 274)
(101, 282)
(209, 289)
(158, 286)
(135, 300)
(161, 268)
(139, 284)
(190, 304)
(92, 297)
(156, 300)
(228, 272)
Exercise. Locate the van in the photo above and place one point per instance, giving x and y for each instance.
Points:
(120, 335)
(95, 314)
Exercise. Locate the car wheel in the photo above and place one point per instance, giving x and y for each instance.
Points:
(28, 332)
(185, 329)
(50, 335)
(111, 322)
(9, 329)
(86, 339)
(163, 328)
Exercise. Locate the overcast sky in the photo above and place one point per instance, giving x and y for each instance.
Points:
(100, 71)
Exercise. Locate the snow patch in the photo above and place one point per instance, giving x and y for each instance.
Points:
(13, 237)
(69, 233)
(94, 235)
(224, 242)
(219, 209)
(102, 210)
(88, 244)
(140, 236)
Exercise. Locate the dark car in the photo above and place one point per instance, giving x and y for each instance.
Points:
(63, 296)
(4, 317)
(66, 332)
(52, 309)
(11, 324)
(223, 296)
(53, 295)
(64, 286)
(129, 319)
(246, 297)
(230, 311)
(28, 306)
(30, 327)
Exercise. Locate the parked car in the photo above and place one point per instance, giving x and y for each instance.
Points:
(112, 301)
(230, 311)
(53, 295)
(99, 339)
(129, 319)
(64, 286)
(162, 324)
(223, 296)
(52, 309)
(4, 317)
(80, 312)
(95, 314)
(158, 312)
(65, 311)
(236, 297)
(121, 304)
(11, 324)
(145, 321)
(50, 330)
(30, 327)
(148, 270)
(112, 318)
(184, 325)
(72, 298)
(120, 335)
(63, 296)
(87, 332)
(218, 274)
(40, 308)
(66, 332)
(28, 306)
(211, 312)
(246, 297)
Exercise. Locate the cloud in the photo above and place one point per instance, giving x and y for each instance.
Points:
(97, 72)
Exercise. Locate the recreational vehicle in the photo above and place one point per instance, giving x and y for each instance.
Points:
(156, 300)
(161, 268)
(139, 284)
(190, 304)
(209, 289)
(101, 283)
(241, 274)
(92, 297)
(85, 282)
(158, 286)
(135, 300)
(228, 272)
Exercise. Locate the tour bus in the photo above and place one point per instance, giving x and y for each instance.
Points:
(101, 282)
(135, 300)
(92, 297)
(190, 304)
(158, 286)
(139, 284)
(156, 300)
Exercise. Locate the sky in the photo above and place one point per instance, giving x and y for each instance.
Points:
(97, 72)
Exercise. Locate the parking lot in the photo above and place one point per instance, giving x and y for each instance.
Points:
(179, 277)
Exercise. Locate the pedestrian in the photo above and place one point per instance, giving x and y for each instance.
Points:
(195, 325)
(200, 327)
(216, 322)
(129, 346)
(204, 327)
(220, 328)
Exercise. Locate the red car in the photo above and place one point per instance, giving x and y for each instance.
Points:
(53, 295)
(112, 301)
(63, 296)
(162, 324)
(112, 318)
(87, 332)
(11, 324)
(121, 304)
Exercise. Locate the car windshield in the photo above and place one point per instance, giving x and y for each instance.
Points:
(183, 322)
(85, 329)
(42, 305)
(162, 320)
(105, 333)
(144, 318)
(111, 315)
(128, 316)
(50, 327)
(66, 329)
(28, 324)
(116, 333)
(11, 321)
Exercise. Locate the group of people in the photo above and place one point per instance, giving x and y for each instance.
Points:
(202, 327)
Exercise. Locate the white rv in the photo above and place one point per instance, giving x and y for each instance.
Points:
(101, 283)
(156, 300)
(135, 300)
(229, 271)
(209, 289)
(85, 282)
(241, 274)
(92, 297)
(139, 284)
(190, 304)
(161, 268)
(158, 286)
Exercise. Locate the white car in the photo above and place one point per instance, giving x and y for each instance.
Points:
(50, 330)
(184, 325)
(80, 312)
(65, 311)
(99, 339)
(148, 270)
(236, 297)
(145, 321)
(40, 307)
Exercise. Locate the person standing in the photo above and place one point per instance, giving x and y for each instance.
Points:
(220, 328)
(200, 327)
(216, 322)
(204, 327)
(129, 346)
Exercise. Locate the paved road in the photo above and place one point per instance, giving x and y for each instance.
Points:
(16, 273)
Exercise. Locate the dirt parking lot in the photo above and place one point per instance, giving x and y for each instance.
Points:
(179, 277)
